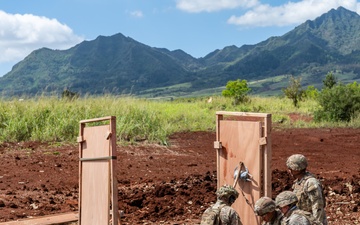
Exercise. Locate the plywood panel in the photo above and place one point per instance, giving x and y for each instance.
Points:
(95, 179)
(240, 143)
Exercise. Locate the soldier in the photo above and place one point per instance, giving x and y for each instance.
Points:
(266, 208)
(307, 188)
(286, 202)
(226, 196)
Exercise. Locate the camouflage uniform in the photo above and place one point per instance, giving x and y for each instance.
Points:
(291, 217)
(266, 205)
(310, 194)
(308, 189)
(294, 218)
(228, 215)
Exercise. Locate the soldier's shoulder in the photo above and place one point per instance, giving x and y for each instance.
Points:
(312, 183)
(227, 209)
(297, 218)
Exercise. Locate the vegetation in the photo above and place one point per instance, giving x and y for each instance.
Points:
(237, 90)
(57, 119)
(294, 91)
(339, 103)
(330, 80)
(69, 95)
(311, 92)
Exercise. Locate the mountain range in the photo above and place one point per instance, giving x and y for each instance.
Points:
(121, 65)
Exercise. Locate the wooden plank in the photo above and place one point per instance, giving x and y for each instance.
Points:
(81, 133)
(97, 119)
(113, 181)
(267, 157)
(219, 117)
(247, 114)
(46, 220)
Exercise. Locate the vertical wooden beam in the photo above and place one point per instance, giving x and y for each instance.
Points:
(114, 191)
(219, 117)
(267, 156)
(80, 140)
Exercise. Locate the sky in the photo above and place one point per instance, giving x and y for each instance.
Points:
(197, 27)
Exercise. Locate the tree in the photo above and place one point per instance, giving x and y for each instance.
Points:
(294, 90)
(238, 90)
(330, 80)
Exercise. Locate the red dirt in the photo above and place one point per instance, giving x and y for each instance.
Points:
(160, 185)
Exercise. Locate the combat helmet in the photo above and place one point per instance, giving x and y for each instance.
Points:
(226, 191)
(297, 162)
(264, 205)
(285, 198)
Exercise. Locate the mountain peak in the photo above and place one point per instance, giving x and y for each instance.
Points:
(338, 29)
(340, 13)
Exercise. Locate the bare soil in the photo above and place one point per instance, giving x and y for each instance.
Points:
(174, 184)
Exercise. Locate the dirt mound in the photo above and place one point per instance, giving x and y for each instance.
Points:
(175, 184)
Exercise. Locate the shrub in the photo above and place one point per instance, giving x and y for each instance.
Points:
(339, 103)
(237, 90)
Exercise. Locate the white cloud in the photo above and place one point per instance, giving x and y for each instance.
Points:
(137, 14)
(195, 6)
(291, 13)
(21, 34)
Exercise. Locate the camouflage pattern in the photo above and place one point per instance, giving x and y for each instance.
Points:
(226, 191)
(292, 218)
(264, 205)
(309, 217)
(276, 219)
(286, 198)
(296, 216)
(228, 215)
(297, 162)
(211, 216)
(310, 195)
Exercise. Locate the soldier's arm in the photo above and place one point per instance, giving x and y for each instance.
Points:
(314, 193)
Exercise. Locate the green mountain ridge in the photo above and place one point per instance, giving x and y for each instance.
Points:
(121, 65)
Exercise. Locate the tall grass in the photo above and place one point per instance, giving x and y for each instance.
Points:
(54, 119)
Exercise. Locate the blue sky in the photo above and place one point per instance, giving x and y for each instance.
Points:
(198, 27)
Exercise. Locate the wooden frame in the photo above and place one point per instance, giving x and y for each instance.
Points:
(98, 201)
(244, 138)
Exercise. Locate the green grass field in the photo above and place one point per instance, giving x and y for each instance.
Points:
(54, 119)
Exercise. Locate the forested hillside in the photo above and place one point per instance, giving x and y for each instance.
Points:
(120, 65)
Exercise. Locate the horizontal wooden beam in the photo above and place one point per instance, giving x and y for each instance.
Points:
(47, 220)
(265, 115)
